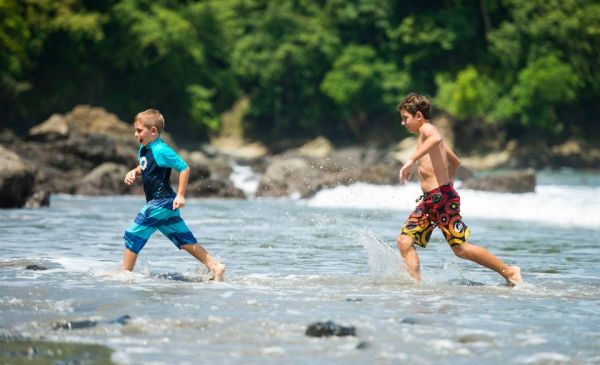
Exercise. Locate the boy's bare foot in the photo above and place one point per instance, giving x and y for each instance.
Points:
(218, 272)
(513, 275)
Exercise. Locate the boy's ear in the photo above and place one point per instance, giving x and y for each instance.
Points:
(154, 130)
(419, 115)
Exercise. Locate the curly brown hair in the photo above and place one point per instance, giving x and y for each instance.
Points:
(414, 103)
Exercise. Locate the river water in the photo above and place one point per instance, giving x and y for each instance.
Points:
(294, 262)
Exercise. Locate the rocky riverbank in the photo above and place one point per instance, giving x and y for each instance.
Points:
(89, 150)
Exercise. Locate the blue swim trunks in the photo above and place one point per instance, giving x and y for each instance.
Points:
(158, 214)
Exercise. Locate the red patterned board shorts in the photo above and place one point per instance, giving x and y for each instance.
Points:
(437, 208)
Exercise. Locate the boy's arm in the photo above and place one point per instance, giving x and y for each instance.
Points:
(179, 201)
(453, 162)
(432, 139)
(131, 175)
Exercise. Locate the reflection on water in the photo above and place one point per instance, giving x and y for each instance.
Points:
(289, 265)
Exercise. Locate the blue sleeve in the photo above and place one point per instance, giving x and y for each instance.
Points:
(166, 157)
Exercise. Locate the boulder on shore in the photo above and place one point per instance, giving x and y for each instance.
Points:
(293, 174)
(106, 179)
(508, 182)
(16, 180)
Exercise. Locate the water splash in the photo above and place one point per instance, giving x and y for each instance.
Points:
(384, 262)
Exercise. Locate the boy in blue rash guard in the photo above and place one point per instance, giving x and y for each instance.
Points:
(156, 159)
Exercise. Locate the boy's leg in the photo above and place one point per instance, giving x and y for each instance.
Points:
(129, 259)
(136, 236)
(408, 251)
(178, 232)
(196, 250)
(483, 257)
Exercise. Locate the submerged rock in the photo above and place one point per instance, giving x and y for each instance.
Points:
(74, 325)
(123, 320)
(412, 320)
(354, 299)
(88, 323)
(28, 351)
(329, 328)
(363, 345)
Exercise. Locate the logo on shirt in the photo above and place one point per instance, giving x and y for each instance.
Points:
(143, 163)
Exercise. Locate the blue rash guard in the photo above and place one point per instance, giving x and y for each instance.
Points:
(156, 161)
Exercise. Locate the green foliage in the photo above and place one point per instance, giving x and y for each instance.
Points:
(543, 86)
(471, 95)
(334, 67)
(201, 108)
(359, 81)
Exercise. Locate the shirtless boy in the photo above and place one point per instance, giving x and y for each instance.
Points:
(439, 205)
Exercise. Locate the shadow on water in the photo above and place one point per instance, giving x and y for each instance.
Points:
(175, 276)
(465, 282)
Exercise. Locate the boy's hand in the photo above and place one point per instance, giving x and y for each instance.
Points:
(130, 177)
(406, 171)
(178, 202)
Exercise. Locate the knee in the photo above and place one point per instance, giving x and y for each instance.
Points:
(404, 242)
(460, 251)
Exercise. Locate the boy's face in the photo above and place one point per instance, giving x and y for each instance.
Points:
(411, 122)
(144, 134)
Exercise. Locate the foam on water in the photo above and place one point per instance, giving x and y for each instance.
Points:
(245, 179)
(550, 204)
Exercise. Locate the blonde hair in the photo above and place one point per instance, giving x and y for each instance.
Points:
(151, 118)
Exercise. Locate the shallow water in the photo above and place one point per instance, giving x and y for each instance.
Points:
(291, 263)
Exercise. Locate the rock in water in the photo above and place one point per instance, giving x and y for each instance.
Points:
(35, 267)
(74, 325)
(326, 329)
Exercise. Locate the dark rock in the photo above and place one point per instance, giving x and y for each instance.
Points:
(16, 179)
(38, 199)
(53, 129)
(288, 175)
(123, 320)
(509, 182)
(326, 329)
(362, 345)
(411, 320)
(214, 188)
(8, 137)
(74, 325)
(354, 299)
(35, 267)
(106, 179)
(88, 323)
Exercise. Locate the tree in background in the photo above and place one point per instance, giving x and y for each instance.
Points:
(303, 67)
